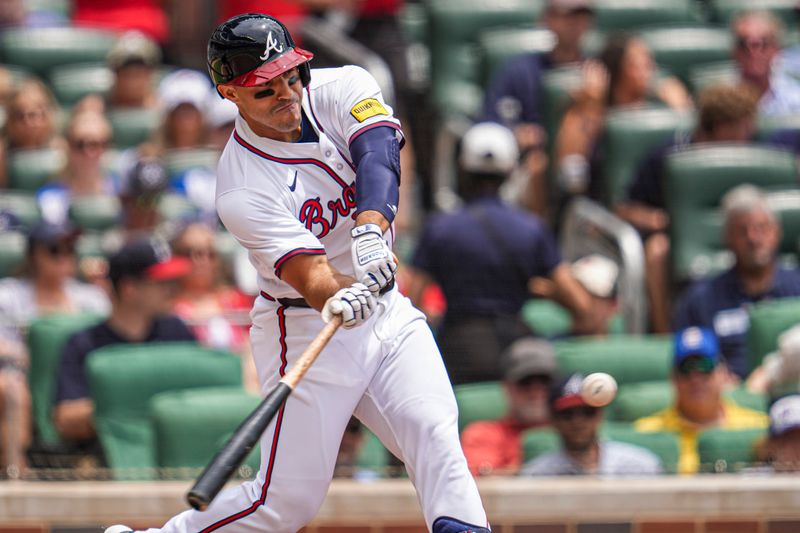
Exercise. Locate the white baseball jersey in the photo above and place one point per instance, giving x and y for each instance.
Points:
(283, 199)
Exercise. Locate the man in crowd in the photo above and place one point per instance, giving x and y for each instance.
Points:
(143, 276)
(582, 452)
(699, 376)
(783, 444)
(726, 114)
(515, 97)
(752, 233)
(495, 446)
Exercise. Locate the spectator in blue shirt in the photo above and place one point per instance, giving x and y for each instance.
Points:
(143, 276)
(515, 97)
(752, 233)
(726, 114)
(484, 256)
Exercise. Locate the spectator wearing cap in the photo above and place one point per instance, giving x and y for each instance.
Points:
(726, 114)
(30, 122)
(515, 97)
(143, 278)
(88, 136)
(47, 286)
(582, 451)
(483, 257)
(140, 191)
(757, 39)
(699, 376)
(133, 60)
(495, 446)
(752, 232)
(782, 447)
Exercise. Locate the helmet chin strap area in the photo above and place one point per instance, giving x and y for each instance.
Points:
(445, 524)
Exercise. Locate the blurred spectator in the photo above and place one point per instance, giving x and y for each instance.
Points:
(30, 122)
(726, 114)
(144, 278)
(19, 13)
(757, 37)
(495, 446)
(140, 192)
(624, 76)
(290, 12)
(146, 16)
(218, 313)
(582, 452)
(483, 257)
(48, 287)
(782, 448)
(133, 59)
(781, 368)
(752, 233)
(183, 96)
(699, 376)
(353, 441)
(515, 97)
(88, 136)
(221, 116)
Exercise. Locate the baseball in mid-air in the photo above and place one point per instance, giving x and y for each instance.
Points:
(598, 389)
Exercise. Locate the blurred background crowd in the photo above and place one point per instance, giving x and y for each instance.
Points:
(588, 185)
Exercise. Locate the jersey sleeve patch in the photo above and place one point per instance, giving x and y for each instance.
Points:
(369, 107)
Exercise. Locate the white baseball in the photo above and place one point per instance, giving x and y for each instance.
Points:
(598, 389)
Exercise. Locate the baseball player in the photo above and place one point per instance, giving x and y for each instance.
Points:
(308, 183)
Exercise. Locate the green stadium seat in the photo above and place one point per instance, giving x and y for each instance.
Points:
(722, 11)
(664, 444)
(30, 169)
(558, 84)
(174, 206)
(177, 161)
(767, 321)
(123, 379)
(629, 358)
(453, 30)
(629, 136)
(498, 45)
(12, 251)
(536, 442)
(637, 400)
(725, 450)
(678, 49)
(414, 22)
(42, 49)
(70, 83)
(91, 244)
(632, 14)
(46, 338)
(707, 74)
(696, 180)
(188, 423)
(551, 320)
(132, 127)
(480, 401)
(62, 7)
(97, 212)
(21, 204)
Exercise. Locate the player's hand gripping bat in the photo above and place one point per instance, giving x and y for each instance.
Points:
(233, 453)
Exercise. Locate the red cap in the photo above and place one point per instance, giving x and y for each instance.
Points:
(172, 268)
(274, 68)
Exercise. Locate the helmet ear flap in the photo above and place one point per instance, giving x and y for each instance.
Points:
(305, 73)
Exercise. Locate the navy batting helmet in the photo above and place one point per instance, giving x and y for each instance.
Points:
(253, 48)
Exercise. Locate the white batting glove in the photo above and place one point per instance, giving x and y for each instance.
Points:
(372, 259)
(355, 303)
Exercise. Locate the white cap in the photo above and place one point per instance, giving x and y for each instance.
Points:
(184, 86)
(220, 111)
(597, 273)
(489, 148)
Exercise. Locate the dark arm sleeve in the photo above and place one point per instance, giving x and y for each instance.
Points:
(376, 155)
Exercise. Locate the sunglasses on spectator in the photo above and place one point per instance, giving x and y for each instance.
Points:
(31, 114)
(535, 379)
(60, 249)
(197, 253)
(583, 412)
(704, 365)
(755, 44)
(85, 145)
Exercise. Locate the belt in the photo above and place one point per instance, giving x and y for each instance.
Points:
(301, 302)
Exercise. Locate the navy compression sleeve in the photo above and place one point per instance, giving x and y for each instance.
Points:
(376, 155)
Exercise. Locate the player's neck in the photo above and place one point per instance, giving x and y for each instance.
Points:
(265, 131)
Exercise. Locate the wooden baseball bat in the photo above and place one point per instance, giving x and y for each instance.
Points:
(234, 452)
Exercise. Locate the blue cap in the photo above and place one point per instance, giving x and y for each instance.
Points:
(698, 342)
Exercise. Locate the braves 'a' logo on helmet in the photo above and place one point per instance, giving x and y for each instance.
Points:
(272, 44)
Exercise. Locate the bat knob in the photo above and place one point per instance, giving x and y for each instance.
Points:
(197, 502)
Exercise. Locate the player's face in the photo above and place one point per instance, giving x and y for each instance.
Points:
(271, 110)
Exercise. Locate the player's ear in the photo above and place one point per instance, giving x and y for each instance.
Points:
(229, 92)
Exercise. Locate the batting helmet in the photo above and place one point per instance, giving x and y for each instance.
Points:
(253, 48)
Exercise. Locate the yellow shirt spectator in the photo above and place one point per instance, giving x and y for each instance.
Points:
(669, 419)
